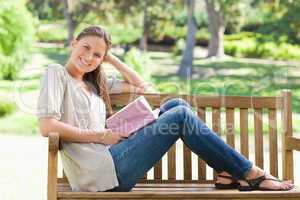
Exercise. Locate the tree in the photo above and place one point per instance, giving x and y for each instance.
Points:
(77, 10)
(186, 63)
(152, 12)
(219, 13)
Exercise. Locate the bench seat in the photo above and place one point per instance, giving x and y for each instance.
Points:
(177, 191)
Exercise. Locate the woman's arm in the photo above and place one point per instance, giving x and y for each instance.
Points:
(73, 134)
(133, 81)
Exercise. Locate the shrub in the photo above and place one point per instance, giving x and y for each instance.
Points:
(6, 107)
(16, 36)
(254, 45)
(52, 33)
(140, 62)
(124, 35)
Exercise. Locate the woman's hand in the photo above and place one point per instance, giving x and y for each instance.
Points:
(109, 137)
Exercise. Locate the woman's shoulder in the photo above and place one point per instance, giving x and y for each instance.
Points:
(55, 69)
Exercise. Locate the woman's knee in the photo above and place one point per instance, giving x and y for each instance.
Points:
(174, 102)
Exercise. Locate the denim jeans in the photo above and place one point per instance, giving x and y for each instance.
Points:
(134, 156)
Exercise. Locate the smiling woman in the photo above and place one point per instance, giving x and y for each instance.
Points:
(73, 101)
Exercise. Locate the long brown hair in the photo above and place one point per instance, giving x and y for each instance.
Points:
(97, 77)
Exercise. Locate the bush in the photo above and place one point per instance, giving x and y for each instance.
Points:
(124, 35)
(52, 32)
(16, 37)
(140, 62)
(6, 107)
(254, 45)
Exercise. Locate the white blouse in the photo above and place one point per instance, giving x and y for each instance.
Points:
(88, 166)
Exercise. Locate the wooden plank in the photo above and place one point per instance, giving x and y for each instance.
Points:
(216, 126)
(201, 163)
(204, 101)
(293, 143)
(187, 163)
(145, 176)
(258, 131)
(158, 170)
(244, 139)
(230, 126)
(273, 146)
(64, 174)
(287, 155)
(53, 146)
(201, 193)
(172, 163)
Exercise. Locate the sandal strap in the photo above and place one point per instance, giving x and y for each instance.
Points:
(254, 183)
(227, 177)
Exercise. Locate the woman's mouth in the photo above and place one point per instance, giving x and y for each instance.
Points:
(82, 62)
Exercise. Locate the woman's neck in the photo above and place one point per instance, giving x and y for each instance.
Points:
(73, 71)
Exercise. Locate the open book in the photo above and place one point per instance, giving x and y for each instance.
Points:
(132, 117)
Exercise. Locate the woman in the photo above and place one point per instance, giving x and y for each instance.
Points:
(73, 101)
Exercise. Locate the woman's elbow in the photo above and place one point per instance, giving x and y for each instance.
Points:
(45, 126)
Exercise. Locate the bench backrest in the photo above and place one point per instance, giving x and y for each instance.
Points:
(230, 117)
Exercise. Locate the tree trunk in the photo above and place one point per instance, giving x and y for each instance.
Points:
(69, 14)
(216, 27)
(144, 39)
(186, 64)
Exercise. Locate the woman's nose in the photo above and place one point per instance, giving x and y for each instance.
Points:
(88, 56)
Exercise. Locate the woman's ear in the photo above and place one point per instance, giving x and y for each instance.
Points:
(73, 44)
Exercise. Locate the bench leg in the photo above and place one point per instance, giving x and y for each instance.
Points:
(52, 166)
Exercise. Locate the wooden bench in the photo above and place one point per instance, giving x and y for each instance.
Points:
(228, 116)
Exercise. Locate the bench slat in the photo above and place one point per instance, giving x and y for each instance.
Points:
(158, 170)
(187, 163)
(258, 129)
(172, 162)
(216, 126)
(204, 101)
(244, 140)
(230, 127)
(273, 146)
(201, 163)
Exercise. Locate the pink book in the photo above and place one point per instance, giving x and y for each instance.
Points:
(132, 117)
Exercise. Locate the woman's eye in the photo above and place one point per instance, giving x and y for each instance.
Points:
(86, 47)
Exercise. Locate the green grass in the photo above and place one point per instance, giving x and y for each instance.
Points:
(57, 55)
(22, 85)
(18, 123)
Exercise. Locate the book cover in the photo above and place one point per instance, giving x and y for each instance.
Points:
(132, 117)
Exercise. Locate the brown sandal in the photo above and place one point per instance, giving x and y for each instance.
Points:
(254, 184)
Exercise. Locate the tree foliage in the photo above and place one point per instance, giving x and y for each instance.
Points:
(16, 37)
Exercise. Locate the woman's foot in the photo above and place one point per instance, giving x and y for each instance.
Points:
(225, 181)
(261, 181)
(221, 178)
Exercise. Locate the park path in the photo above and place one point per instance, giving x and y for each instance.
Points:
(23, 169)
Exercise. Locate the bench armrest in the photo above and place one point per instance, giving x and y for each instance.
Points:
(53, 145)
(293, 143)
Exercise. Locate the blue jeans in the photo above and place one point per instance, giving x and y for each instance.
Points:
(136, 155)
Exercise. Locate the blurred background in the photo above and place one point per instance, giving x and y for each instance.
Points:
(202, 47)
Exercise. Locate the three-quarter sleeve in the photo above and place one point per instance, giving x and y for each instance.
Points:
(51, 94)
(114, 85)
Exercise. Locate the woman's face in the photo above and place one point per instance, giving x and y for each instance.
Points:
(88, 53)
